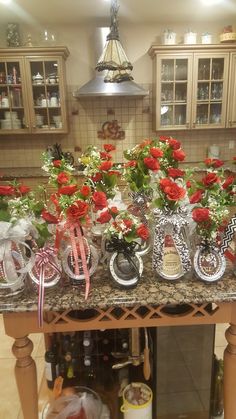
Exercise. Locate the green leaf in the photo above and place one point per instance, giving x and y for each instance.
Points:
(4, 215)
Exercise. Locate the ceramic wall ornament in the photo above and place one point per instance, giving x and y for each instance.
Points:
(209, 263)
(171, 255)
(124, 263)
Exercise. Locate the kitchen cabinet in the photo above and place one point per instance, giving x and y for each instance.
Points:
(33, 90)
(194, 86)
(231, 118)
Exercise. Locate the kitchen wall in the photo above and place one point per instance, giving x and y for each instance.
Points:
(86, 116)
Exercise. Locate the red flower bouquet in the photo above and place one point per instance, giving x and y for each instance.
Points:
(211, 197)
(101, 172)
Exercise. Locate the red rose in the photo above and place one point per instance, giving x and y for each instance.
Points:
(23, 189)
(216, 163)
(97, 177)
(164, 138)
(165, 182)
(85, 190)
(62, 178)
(188, 184)
(173, 143)
(172, 172)
(114, 211)
(54, 199)
(210, 179)
(105, 156)
(114, 172)
(56, 163)
(7, 190)
(142, 232)
(228, 182)
(100, 200)
(131, 163)
(174, 192)
(178, 155)
(196, 197)
(104, 217)
(77, 210)
(151, 163)
(201, 214)
(50, 218)
(109, 147)
(68, 190)
(156, 152)
(128, 223)
(106, 165)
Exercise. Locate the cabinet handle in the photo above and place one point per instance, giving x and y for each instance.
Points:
(27, 126)
(34, 126)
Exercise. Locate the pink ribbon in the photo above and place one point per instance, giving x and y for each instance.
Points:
(42, 258)
(75, 227)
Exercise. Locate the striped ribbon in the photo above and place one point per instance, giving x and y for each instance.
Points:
(43, 258)
(229, 233)
(76, 228)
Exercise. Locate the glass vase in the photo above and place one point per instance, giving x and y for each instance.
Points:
(48, 265)
(12, 275)
(171, 255)
(69, 265)
(124, 263)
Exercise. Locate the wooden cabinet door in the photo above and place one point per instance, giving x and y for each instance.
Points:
(46, 94)
(172, 93)
(231, 114)
(14, 114)
(210, 88)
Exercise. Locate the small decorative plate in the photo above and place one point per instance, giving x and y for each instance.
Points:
(68, 263)
(209, 264)
(123, 272)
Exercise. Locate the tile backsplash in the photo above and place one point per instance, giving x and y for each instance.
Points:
(86, 118)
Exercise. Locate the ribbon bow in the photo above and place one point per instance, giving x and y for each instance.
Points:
(176, 220)
(122, 246)
(44, 257)
(16, 233)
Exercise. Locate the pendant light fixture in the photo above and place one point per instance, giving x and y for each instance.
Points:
(114, 58)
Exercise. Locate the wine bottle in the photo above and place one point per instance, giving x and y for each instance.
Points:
(51, 366)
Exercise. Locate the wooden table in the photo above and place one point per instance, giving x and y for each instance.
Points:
(108, 308)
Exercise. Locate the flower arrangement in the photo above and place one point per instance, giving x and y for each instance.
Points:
(153, 165)
(211, 197)
(125, 227)
(71, 201)
(101, 172)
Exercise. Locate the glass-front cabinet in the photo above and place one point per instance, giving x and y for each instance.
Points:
(191, 86)
(174, 91)
(210, 80)
(231, 115)
(14, 114)
(32, 90)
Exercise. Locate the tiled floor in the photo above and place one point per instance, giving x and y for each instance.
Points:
(9, 401)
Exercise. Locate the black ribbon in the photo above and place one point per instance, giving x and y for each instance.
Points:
(122, 246)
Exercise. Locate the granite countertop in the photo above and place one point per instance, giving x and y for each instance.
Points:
(150, 290)
(8, 173)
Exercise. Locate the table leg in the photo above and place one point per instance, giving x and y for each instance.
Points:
(26, 377)
(230, 374)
